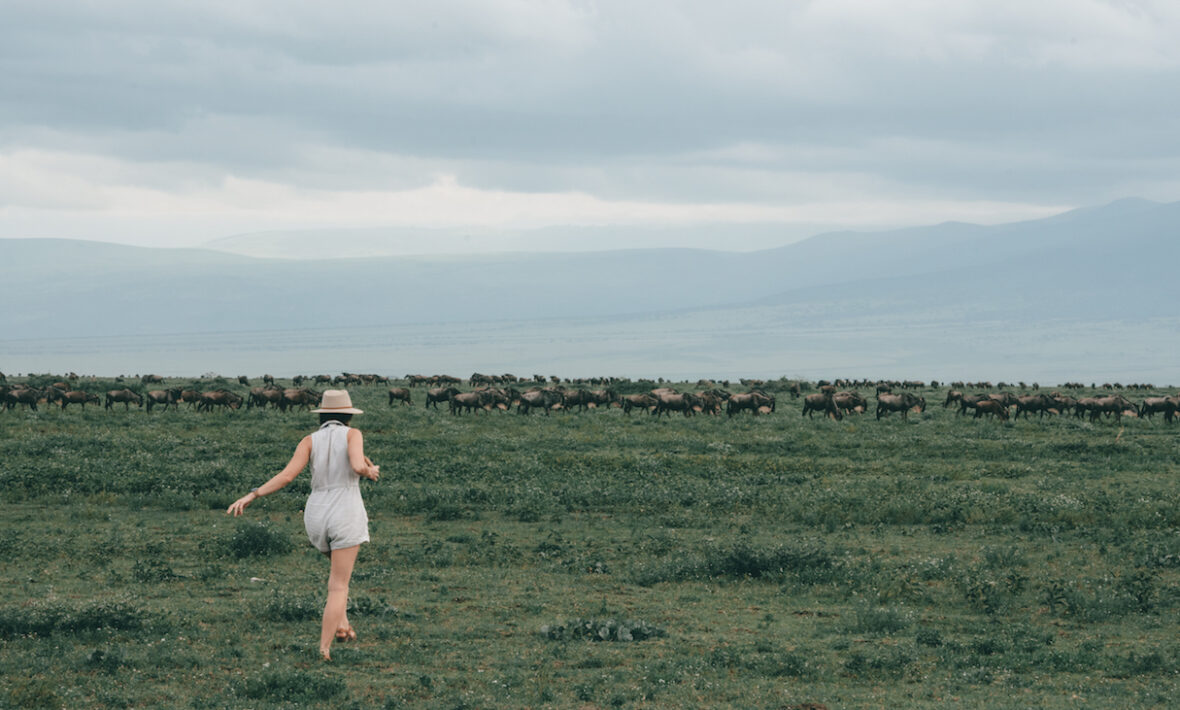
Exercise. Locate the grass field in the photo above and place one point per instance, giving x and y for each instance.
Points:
(596, 560)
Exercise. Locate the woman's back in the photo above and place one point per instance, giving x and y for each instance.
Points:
(330, 467)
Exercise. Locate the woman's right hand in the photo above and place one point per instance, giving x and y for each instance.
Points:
(239, 505)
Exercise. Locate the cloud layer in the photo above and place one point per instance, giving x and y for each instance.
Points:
(163, 123)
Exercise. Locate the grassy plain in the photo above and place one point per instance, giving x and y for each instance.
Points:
(596, 560)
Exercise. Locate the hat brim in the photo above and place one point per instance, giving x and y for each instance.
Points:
(339, 410)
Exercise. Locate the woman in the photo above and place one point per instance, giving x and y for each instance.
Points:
(334, 516)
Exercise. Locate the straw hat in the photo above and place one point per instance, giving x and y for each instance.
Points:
(337, 402)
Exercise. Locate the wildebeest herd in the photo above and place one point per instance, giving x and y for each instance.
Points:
(547, 394)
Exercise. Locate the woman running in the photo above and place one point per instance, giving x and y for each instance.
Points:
(334, 516)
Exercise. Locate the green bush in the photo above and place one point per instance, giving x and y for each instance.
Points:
(806, 561)
(868, 619)
(292, 686)
(602, 630)
(119, 614)
(257, 539)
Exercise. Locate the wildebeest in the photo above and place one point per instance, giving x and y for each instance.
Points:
(992, 407)
(603, 398)
(262, 396)
(1114, 404)
(577, 398)
(1039, 403)
(752, 401)
(27, 396)
(191, 397)
(544, 399)
(904, 402)
(469, 401)
(821, 402)
(711, 401)
(218, 398)
(164, 397)
(848, 402)
(79, 397)
(435, 395)
(643, 400)
(299, 397)
(968, 401)
(667, 402)
(400, 394)
(125, 396)
(1154, 405)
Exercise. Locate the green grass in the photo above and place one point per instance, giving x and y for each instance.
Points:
(596, 559)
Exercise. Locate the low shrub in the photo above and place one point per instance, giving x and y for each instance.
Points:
(291, 686)
(868, 619)
(807, 562)
(41, 619)
(602, 630)
(257, 539)
(151, 571)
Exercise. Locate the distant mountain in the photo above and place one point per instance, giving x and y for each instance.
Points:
(322, 244)
(1116, 261)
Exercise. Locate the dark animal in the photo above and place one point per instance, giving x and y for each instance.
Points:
(848, 402)
(27, 396)
(641, 401)
(218, 398)
(400, 394)
(545, 399)
(1168, 406)
(164, 397)
(821, 402)
(577, 398)
(299, 397)
(1039, 403)
(125, 396)
(904, 402)
(674, 402)
(991, 406)
(439, 394)
(469, 401)
(752, 401)
(1115, 404)
(79, 397)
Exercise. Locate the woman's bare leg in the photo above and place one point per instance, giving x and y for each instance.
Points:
(335, 609)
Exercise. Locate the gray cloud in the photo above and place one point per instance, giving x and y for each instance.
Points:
(759, 102)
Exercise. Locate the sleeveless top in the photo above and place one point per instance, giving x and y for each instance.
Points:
(335, 514)
(330, 467)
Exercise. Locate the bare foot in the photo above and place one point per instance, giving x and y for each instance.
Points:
(325, 655)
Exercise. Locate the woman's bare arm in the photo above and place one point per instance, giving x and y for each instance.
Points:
(297, 463)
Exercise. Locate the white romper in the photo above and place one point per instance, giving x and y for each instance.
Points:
(334, 516)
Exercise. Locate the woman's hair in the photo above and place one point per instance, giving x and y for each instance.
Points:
(335, 417)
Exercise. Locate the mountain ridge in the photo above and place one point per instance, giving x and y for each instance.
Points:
(1056, 267)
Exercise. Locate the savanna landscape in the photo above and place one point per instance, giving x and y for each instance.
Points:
(596, 558)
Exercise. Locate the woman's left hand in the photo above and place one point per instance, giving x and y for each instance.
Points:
(374, 471)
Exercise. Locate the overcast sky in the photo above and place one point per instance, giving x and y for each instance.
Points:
(164, 123)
